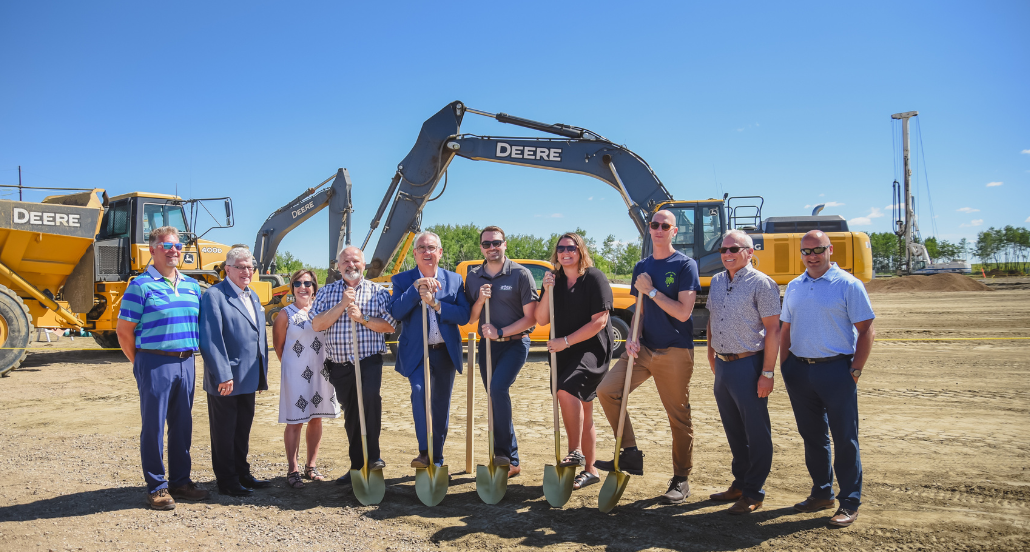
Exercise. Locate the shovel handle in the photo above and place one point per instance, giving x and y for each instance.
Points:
(425, 377)
(470, 397)
(357, 379)
(489, 378)
(634, 334)
(554, 380)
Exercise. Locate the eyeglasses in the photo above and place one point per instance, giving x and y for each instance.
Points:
(491, 243)
(305, 283)
(734, 249)
(427, 249)
(244, 268)
(806, 251)
(168, 245)
(663, 225)
(566, 248)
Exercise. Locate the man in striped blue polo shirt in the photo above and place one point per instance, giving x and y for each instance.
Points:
(158, 332)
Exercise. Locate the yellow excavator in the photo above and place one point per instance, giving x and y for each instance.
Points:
(66, 261)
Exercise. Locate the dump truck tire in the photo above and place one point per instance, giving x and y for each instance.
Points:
(620, 330)
(107, 340)
(271, 315)
(15, 330)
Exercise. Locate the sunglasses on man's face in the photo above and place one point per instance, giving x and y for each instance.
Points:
(168, 245)
(734, 249)
(663, 225)
(806, 251)
(306, 283)
(491, 243)
(565, 248)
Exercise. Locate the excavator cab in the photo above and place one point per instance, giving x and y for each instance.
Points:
(701, 225)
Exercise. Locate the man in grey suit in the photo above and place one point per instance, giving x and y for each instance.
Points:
(235, 351)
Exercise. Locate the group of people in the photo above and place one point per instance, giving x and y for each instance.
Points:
(822, 334)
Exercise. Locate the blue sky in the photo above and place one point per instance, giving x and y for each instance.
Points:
(259, 100)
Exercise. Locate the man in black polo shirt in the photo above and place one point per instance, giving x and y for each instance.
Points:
(512, 294)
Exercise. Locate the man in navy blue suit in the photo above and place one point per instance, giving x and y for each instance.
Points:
(444, 293)
(235, 351)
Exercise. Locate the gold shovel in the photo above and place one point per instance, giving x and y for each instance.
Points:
(430, 482)
(558, 479)
(615, 482)
(368, 485)
(491, 480)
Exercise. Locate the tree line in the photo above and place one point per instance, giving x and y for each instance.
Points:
(1005, 248)
(461, 243)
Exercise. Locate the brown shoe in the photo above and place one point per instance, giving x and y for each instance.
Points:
(728, 495)
(161, 500)
(420, 461)
(513, 471)
(814, 504)
(189, 491)
(744, 505)
(844, 517)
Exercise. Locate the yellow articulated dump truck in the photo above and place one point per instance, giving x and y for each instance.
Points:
(66, 261)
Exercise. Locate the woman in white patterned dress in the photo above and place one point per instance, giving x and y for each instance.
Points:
(305, 394)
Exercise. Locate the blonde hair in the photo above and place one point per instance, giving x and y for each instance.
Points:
(585, 261)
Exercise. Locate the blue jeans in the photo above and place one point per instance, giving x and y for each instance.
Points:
(508, 358)
(165, 387)
(441, 378)
(745, 418)
(825, 401)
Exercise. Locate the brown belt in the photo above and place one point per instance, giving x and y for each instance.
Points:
(435, 346)
(176, 354)
(820, 360)
(731, 357)
(510, 337)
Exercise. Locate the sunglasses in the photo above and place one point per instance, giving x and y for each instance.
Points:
(566, 248)
(734, 249)
(305, 283)
(491, 243)
(806, 251)
(169, 245)
(663, 225)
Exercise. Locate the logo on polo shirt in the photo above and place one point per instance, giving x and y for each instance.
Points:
(506, 287)
(670, 278)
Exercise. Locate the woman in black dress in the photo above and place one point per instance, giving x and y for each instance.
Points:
(583, 343)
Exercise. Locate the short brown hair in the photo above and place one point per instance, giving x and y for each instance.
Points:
(296, 276)
(491, 229)
(585, 261)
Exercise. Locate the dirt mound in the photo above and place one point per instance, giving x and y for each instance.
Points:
(936, 282)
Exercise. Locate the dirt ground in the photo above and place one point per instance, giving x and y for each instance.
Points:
(944, 436)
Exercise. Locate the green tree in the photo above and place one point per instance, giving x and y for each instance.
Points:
(286, 263)
(886, 254)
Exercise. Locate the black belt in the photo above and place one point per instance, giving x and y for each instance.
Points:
(435, 346)
(176, 354)
(510, 337)
(821, 360)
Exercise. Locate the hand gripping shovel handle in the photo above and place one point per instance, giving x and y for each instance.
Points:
(634, 335)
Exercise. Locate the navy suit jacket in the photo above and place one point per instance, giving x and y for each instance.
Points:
(233, 346)
(405, 305)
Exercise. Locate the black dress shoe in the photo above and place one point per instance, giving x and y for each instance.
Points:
(235, 489)
(249, 481)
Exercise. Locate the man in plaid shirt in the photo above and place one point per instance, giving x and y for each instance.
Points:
(367, 305)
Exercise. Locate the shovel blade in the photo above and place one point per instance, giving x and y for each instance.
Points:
(611, 492)
(491, 483)
(558, 482)
(368, 488)
(431, 484)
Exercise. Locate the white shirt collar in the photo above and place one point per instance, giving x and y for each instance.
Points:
(176, 277)
(237, 288)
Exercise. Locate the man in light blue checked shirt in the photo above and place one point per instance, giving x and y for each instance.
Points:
(366, 304)
(825, 341)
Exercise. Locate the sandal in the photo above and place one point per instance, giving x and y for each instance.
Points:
(574, 458)
(584, 479)
(293, 480)
(312, 473)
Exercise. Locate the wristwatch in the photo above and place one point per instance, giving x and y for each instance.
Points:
(768, 374)
(652, 293)
(856, 372)
(500, 332)
(365, 318)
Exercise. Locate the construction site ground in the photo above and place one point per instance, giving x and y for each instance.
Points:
(945, 445)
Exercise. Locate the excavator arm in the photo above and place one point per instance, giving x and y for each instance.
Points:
(578, 151)
(336, 196)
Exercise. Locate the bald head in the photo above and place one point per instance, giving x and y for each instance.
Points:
(816, 238)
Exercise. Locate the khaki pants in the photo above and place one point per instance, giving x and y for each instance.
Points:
(671, 369)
